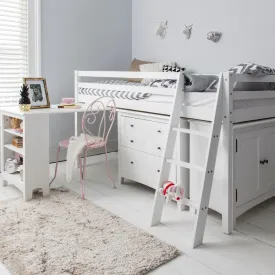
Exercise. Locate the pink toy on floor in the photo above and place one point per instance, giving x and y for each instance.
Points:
(172, 190)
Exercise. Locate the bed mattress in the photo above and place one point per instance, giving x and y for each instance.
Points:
(192, 99)
(208, 100)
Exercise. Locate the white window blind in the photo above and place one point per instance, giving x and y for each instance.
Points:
(13, 49)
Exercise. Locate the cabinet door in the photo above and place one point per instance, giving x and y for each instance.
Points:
(267, 178)
(247, 165)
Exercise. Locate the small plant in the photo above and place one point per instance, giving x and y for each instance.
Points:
(24, 95)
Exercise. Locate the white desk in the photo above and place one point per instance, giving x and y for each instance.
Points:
(35, 149)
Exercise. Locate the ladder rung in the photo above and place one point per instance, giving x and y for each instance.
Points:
(185, 164)
(189, 203)
(192, 132)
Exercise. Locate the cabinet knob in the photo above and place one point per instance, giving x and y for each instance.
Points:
(132, 141)
(132, 162)
(159, 148)
(132, 125)
(262, 162)
(266, 161)
(158, 171)
(159, 131)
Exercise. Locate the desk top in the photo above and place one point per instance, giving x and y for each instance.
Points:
(53, 110)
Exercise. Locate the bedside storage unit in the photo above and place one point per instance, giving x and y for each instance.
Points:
(141, 144)
(35, 160)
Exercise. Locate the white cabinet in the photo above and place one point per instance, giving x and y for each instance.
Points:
(247, 166)
(142, 140)
(253, 165)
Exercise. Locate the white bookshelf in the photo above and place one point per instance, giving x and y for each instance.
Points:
(35, 160)
(13, 132)
(15, 179)
(14, 149)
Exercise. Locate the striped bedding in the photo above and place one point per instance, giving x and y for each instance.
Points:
(130, 95)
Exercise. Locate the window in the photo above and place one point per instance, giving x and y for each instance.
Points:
(18, 53)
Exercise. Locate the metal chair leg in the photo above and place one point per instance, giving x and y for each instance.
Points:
(81, 176)
(108, 168)
(56, 165)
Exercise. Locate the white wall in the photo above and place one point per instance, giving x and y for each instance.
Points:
(247, 27)
(81, 35)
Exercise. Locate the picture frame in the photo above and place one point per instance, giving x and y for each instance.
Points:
(38, 92)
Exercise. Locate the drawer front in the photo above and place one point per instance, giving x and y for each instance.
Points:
(139, 166)
(143, 135)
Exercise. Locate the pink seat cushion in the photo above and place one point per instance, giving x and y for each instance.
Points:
(96, 144)
(64, 143)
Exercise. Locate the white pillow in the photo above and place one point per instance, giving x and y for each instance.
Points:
(154, 67)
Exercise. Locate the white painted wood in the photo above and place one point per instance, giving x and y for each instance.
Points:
(200, 219)
(127, 74)
(136, 89)
(13, 132)
(140, 167)
(243, 95)
(174, 121)
(183, 154)
(247, 166)
(186, 165)
(251, 78)
(229, 206)
(143, 135)
(191, 132)
(15, 179)
(14, 149)
(36, 154)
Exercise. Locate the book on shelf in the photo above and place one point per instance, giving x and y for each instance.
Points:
(69, 106)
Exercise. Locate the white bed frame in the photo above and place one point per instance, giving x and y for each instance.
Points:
(230, 116)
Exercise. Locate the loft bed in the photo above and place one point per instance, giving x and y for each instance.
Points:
(242, 110)
(244, 105)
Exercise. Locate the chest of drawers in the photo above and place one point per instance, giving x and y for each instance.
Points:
(141, 146)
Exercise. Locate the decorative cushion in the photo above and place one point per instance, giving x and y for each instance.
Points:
(253, 69)
(154, 67)
(135, 68)
(173, 69)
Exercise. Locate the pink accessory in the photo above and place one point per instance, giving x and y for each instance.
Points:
(100, 114)
(68, 100)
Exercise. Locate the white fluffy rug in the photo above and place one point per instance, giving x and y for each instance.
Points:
(63, 234)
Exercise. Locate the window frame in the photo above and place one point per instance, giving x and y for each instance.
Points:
(34, 38)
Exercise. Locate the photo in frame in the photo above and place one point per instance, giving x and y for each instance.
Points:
(38, 92)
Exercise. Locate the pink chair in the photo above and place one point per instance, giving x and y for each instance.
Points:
(103, 108)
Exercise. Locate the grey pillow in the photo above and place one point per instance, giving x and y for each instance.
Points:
(255, 70)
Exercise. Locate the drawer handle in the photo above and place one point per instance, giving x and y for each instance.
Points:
(132, 162)
(159, 148)
(263, 162)
(132, 125)
(132, 141)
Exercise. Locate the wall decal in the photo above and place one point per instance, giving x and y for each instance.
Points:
(214, 36)
(161, 29)
(188, 31)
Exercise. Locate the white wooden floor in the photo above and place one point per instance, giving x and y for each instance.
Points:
(249, 250)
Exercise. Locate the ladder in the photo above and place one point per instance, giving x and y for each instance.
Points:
(201, 206)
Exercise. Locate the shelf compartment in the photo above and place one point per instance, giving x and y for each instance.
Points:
(14, 179)
(13, 132)
(15, 149)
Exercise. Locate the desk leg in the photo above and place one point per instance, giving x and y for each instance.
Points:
(36, 154)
